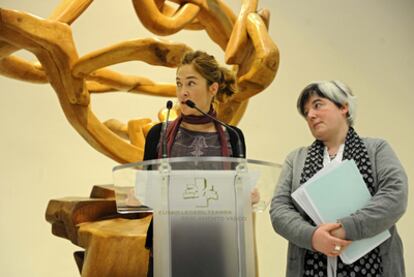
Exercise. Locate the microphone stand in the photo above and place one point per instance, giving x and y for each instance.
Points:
(165, 171)
(164, 130)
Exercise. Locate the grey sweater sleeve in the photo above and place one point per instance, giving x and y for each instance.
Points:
(286, 219)
(389, 202)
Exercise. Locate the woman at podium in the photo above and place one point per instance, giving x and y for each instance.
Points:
(196, 132)
(329, 110)
(201, 80)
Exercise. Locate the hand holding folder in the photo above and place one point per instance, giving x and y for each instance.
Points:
(337, 191)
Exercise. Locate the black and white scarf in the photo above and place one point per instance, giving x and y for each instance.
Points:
(315, 264)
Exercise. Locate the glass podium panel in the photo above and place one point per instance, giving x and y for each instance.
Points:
(202, 211)
(125, 179)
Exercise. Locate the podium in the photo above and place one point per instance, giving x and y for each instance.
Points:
(202, 211)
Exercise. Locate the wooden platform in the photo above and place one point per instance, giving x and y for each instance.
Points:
(114, 244)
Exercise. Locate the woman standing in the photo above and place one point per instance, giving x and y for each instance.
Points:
(200, 79)
(329, 109)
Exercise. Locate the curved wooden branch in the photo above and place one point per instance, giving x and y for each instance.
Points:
(105, 80)
(265, 63)
(20, 69)
(69, 10)
(117, 127)
(237, 48)
(217, 19)
(250, 52)
(117, 81)
(231, 111)
(95, 87)
(160, 24)
(6, 48)
(169, 11)
(135, 131)
(151, 51)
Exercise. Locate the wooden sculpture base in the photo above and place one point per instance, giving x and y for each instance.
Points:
(114, 244)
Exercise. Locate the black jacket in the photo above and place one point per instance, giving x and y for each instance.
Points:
(153, 137)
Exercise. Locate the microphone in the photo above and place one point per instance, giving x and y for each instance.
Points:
(192, 105)
(165, 128)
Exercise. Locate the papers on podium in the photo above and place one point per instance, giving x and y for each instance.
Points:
(337, 191)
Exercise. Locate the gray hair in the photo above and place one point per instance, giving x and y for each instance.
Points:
(335, 91)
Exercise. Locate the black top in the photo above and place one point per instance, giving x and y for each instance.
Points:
(153, 138)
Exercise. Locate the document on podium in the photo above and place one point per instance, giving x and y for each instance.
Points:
(337, 191)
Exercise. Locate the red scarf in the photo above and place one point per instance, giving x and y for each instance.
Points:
(194, 119)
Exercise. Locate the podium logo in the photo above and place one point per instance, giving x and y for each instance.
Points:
(202, 191)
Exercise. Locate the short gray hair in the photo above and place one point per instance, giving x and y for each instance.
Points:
(335, 91)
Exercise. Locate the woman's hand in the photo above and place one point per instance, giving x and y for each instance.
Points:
(326, 243)
(131, 200)
(339, 232)
(255, 196)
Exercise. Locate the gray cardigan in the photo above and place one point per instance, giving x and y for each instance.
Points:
(382, 212)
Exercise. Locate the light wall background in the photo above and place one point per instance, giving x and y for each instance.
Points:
(367, 44)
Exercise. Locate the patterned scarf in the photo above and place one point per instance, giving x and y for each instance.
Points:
(316, 262)
(195, 119)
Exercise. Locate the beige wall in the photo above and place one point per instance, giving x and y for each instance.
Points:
(367, 44)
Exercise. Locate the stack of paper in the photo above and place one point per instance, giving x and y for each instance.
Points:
(337, 191)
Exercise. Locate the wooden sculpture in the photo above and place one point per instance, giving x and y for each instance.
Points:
(90, 222)
(114, 243)
(244, 38)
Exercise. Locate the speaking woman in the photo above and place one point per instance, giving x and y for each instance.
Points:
(200, 79)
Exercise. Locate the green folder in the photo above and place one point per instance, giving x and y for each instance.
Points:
(337, 191)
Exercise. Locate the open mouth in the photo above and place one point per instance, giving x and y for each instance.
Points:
(317, 124)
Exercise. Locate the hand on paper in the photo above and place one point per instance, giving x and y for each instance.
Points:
(255, 196)
(339, 232)
(324, 242)
(131, 200)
